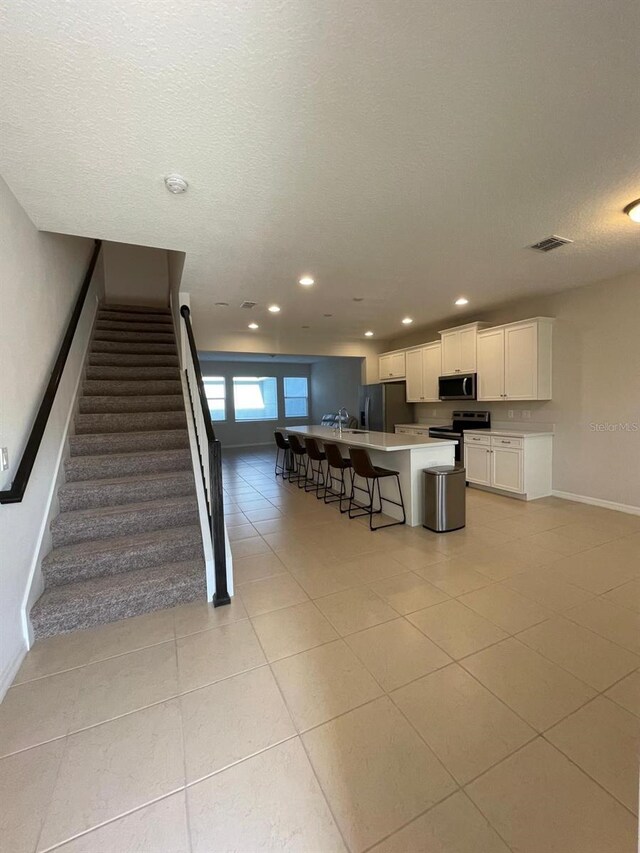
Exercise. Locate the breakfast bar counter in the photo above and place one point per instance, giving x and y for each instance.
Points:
(409, 455)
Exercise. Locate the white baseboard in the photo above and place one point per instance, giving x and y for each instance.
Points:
(253, 444)
(584, 499)
(10, 672)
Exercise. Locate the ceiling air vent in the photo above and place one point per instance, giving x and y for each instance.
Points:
(550, 243)
(247, 304)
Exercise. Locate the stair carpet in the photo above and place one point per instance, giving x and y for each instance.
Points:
(127, 539)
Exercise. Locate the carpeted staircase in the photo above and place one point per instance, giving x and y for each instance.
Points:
(127, 539)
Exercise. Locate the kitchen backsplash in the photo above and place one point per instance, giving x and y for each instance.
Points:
(435, 414)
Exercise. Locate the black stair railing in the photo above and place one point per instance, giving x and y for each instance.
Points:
(210, 452)
(19, 485)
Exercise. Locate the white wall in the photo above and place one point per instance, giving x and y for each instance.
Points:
(136, 275)
(40, 275)
(335, 382)
(237, 434)
(596, 380)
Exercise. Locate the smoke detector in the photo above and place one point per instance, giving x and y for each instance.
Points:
(176, 184)
(549, 243)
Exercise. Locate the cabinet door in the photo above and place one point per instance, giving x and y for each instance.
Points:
(397, 365)
(385, 367)
(507, 469)
(431, 367)
(450, 353)
(521, 361)
(415, 393)
(478, 465)
(467, 343)
(491, 365)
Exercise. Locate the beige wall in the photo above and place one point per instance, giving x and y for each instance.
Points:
(210, 340)
(136, 275)
(596, 380)
(40, 275)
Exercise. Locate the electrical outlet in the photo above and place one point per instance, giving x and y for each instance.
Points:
(526, 414)
(5, 458)
(510, 414)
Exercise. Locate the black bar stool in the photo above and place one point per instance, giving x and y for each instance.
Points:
(282, 446)
(300, 463)
(336, 460)
(316, 479)
(372, 474)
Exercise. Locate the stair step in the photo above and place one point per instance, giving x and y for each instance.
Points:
(81, 468)
(135, 309)
(134, 317)
(135, 373)
(129, 326)
(99, 444)
(115, 491)
(84, 525)
(121, 554)
(132, 347)
(129, 422)
(134, 337)
(105, 387)
(101, 600)
(148, 403)
(149, 359)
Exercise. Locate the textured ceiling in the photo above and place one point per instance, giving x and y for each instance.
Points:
(402, 151)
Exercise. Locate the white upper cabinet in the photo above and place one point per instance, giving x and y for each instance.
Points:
(459, 349)
(423, 369)
(392, 366)
(514, 361)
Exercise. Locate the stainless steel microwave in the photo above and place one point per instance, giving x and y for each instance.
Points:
(462, 386)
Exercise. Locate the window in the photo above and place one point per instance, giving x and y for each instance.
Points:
(296, 397)
(214, 388)
(255, 398)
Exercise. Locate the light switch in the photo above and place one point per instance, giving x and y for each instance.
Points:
(5, 458)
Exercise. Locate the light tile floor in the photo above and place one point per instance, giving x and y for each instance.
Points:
(476, 692)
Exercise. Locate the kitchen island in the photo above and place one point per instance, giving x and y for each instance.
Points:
(409, 455)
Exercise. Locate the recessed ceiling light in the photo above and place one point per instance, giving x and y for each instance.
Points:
(462, 301)
(274, 309)
(368, 334)
(327, 315)
(176, 184)
(222, 304)
(407, 321)
(254, 326)
(304, 327)
(306, 281)
(358, 299)
(633, 210)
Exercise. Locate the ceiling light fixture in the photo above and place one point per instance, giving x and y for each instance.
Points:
(368, 334)
(462, 301)
(306, 281)
(358, 298)
(274, 309)
(327, 315)
(407, 321)
(633, 210)
(176, 184)
(254, 326)
(222, 304)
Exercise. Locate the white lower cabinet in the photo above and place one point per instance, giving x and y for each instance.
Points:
(506, 463)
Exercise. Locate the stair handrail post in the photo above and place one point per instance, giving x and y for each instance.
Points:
(216, 495)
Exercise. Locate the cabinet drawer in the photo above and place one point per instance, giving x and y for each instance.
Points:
(478, 439)
(507, 441)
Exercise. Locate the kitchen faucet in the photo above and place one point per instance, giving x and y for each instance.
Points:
(342, 413)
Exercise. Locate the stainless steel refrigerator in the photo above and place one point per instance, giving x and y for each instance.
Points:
(385, 405)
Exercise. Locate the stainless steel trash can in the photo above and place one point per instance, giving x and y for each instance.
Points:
(444, 498)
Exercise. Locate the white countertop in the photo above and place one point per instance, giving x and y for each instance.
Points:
(386, 441)
(511, 433)
(415, 426)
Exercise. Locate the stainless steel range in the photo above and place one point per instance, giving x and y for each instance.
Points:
(461, 421)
